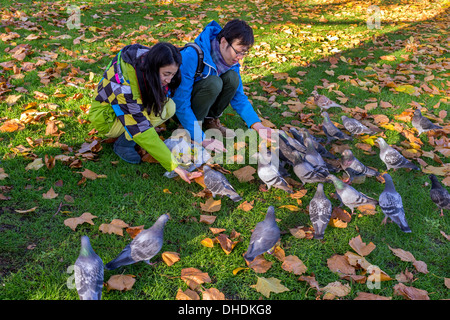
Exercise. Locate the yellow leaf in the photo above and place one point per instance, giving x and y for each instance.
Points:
(170, 257)
(235, 271)
(267, 285)
(291, 207)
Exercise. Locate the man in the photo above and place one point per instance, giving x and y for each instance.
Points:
(204, 98)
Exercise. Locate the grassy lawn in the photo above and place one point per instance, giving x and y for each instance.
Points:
(47, 78)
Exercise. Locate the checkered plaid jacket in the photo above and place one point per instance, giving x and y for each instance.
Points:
(119, 88)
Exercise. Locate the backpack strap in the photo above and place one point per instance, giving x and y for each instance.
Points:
(200, 64)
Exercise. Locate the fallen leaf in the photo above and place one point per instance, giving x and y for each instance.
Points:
(360, 247)
(293, 264)
(211, 205)
(208, 219)
(260, 265)
(170, 257)
(50, 194)
(116, 226)
(194, 277)
(267, 285)
(212, 294)
(370, 296)
(225, 243)
(245, 174)
(208, 242)
(410, 293)
(246, 206)
(188, 294)
(121, 282)
(74, 222)
(339, 263)
(290, 207)
(134, 231)
(337, 289)
(35, 165)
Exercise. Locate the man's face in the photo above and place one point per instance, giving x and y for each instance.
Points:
(232, 52)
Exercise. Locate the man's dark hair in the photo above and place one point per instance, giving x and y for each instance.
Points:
(237, 29)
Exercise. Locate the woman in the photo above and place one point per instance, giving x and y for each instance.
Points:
(134, 97)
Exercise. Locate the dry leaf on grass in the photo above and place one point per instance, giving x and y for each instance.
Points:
(212, 294)
(84, 218)
(188, 294)
(207, 219)
(293, 264)
(410, 293)
(194, 277)
(211, 205)
(267, 285)
(115, 227)
(336, 289)
(121, 282)
(370, 296)
(260, 265)
(340, 264)
(50, 194)
(360, 247)
(170, 257)
(408, 257)
(245, 174)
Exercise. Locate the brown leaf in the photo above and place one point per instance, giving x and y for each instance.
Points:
(293, 264)
(360, 247)
(370, 296)
(115, 227)
(245, 174)
(311, 280)
(211, 205)
(121, 282)
(74, 222)
(410, 293)
(225, 243)
(194, 277)
(208, 219)
(212, 294)
(11, 126)
(134, 231)
(246, 206)
(259, 264)
(403, 255)
(188, 294)
(50, 194)
(340, 264)
(170, 257)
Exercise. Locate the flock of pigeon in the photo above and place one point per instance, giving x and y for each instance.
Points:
(305, 154)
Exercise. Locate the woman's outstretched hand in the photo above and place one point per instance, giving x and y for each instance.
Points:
(187, 176)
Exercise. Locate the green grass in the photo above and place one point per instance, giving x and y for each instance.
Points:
(37, 248)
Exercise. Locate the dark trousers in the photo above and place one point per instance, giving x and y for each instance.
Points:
(212, 95)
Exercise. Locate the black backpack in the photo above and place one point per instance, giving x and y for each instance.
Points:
(200, 64)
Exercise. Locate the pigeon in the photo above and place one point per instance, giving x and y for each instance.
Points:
(218, 184)
(331, 131)
(439, 194)
(324, 102)
(421, 123)
(143, 247)
(270, 174)
(391, 204)
(354, 168)
(264, 237)
(349, 196)
(320, 209)
(286, 149)
(88, 272)
(306, 172)
(314, 158)
(354, 126)
(392, 158)
(300, 136)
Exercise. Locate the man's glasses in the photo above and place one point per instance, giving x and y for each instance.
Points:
(242, 54)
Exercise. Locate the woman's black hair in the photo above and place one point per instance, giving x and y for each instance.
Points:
(237, 29)
(154, 96)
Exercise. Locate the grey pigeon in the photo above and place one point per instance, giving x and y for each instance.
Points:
(88, 272)
(217, 183)
(324, 102)
(391, 204)
(306, 172)
(439, 195)
(349, 196)
(354, 126)
(264, 237)
(269, 172)
(392, 158)
(143, 247)
(286, 149)
(331, 131)
(421, 123)
(302, 134)
(314, 158)
(320, 209)
(355, 168)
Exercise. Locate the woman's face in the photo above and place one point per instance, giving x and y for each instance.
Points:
(166, 73)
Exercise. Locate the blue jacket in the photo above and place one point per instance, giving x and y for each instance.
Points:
(182, 97)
